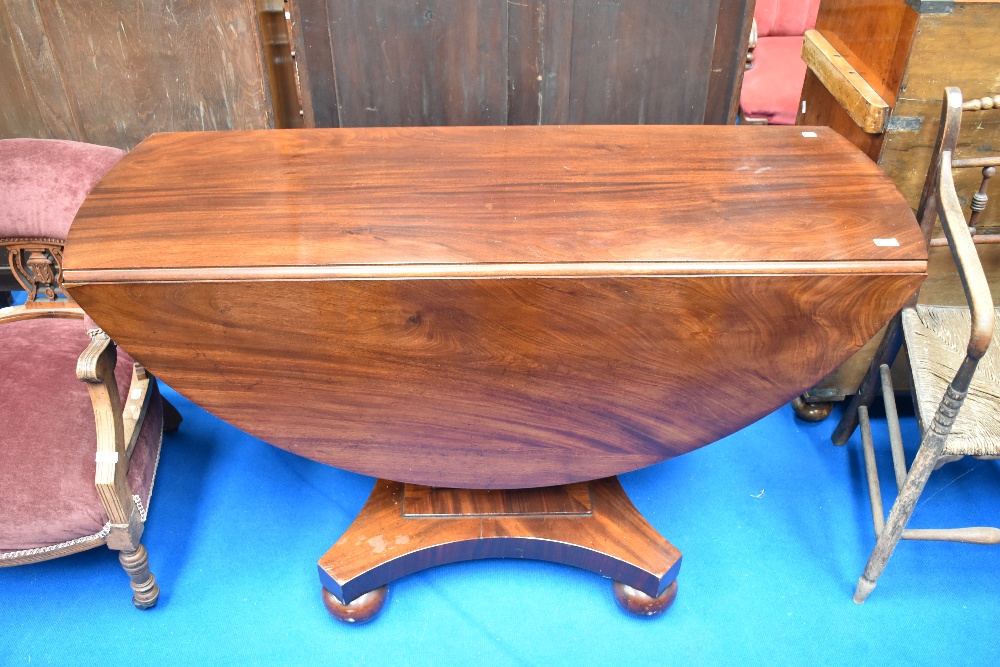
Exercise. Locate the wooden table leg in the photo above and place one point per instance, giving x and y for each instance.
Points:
(405, 528)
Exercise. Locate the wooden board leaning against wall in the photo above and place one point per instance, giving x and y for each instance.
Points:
(112, 72)
(907, 51)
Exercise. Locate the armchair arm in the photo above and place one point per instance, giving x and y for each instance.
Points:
(96, 367)
(136, 405)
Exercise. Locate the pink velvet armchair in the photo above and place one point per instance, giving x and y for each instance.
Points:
(77, 459)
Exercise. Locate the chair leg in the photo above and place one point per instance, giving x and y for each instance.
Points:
(888, 348)
(931, 448)
(900, 514)
(171, 417)
(136, 564)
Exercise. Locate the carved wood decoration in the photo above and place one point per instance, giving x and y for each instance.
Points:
(96, 367)
(37, 267)
(111, 72)
(146, 591)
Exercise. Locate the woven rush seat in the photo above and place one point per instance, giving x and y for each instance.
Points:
(936, 339)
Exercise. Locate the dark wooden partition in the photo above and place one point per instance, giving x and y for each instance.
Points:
(114, 71)
(497, 62)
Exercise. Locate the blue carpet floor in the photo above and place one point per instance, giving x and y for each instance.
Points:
(773, 522)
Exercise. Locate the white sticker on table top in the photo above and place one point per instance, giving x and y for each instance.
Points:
(886, 243)
(810, 135)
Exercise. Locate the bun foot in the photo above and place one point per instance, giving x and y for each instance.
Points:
(360, 610)
(636, 602)
(811, 412)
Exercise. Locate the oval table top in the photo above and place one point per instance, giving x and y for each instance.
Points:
(385, 197)
(494, 307)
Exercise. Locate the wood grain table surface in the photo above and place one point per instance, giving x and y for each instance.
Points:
(494, 307)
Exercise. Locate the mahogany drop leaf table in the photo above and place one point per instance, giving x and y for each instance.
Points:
(497, 319)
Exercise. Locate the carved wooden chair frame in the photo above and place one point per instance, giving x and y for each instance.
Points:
(37, 265)
(938, 200)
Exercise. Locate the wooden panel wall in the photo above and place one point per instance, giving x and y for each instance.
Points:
(419, 62)
(909, 58)
(440, 62)
(114, 71)
(957, 49)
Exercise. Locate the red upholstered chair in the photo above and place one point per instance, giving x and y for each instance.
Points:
(771, 88)
(77, 459)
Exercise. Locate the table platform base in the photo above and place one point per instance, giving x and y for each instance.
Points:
(406, 528)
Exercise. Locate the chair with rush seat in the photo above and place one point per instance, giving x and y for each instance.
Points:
(953, 354)
(77, 459)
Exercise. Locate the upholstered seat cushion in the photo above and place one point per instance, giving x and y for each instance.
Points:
(48, 439)
(777, 18)
(44, 183)
(772, 88)
(936, 342)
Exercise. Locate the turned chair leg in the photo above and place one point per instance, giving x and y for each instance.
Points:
(930, 450)
(136, 564)
(900, 514)
(171, 417)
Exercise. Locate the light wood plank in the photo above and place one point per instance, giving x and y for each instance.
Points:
(865, 106)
